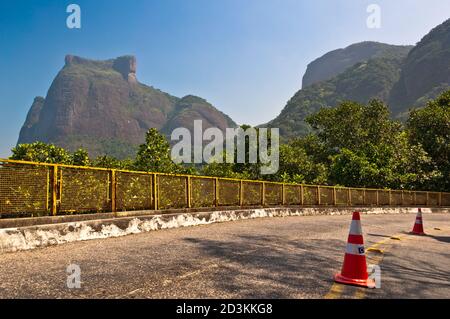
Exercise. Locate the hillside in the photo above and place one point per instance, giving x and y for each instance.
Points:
(398, 75)
(337, 61)
(361, 82)
(101, 106)
(426, 71)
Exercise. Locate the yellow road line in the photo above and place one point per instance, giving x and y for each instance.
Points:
(337, 289)
(360, 293)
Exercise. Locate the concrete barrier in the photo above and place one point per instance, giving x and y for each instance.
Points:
(86, 228)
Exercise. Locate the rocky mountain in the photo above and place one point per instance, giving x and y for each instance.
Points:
(361, 82)
(426, 71)
(101, 106)
(337, 61)
(402, 76)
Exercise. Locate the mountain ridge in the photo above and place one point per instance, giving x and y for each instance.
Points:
(101, 106)
(401, 77)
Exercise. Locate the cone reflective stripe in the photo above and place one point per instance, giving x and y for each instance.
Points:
(354, 269)
(418, 225)
(355, 249)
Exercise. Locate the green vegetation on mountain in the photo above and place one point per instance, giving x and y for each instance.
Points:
(352, 144)
(425, 73)
(402, 77)
(361, 82)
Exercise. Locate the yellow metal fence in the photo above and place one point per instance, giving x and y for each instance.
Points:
(49, 189)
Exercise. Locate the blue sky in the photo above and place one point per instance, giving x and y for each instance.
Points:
(247, 57)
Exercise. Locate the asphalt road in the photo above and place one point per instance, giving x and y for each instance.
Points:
(292, 257)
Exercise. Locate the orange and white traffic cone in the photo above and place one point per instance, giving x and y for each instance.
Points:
(354, 269)
(418, 225)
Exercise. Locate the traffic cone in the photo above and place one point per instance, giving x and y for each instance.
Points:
(354, 269)
(418, 225)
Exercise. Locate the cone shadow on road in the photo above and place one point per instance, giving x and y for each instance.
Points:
(445, 239)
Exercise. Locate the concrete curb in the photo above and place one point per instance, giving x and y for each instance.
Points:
(31, 237)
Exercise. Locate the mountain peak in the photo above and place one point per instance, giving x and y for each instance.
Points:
(337, 61)
(125, 65)
(92, 104)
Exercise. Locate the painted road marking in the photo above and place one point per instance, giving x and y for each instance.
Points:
(337, 289)
(361, 292)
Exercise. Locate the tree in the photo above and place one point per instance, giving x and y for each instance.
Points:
(80, 158)
(430, 128)
(296, 166)
(154, 154)
(351, 125)
(42, 153)
(106, 161)
(365, 148)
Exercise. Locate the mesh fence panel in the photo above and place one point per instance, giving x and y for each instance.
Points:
(133, 191)
(433, 199)
(24, 189)
(445, 197)
(202, 192)
(84, 190)
(228, 192)
(310, 195)
(421, 198)
(357, 197)
(274, 194)
(27, 189)
(408, 198)
(292, 195)
(172, 192)
(371, 197)
(342, 196)
(326, 196)
(383, 198)
(252, 193)
(396, 198)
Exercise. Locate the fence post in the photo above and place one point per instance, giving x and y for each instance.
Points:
(301, 195)
(427, 200)
(155, 192)
(390, 198)
(283, 195)
(113, 191)
(378, 200)
(188, 192)
(318, 195)
(216, 191)
(241, 193)
(403, 200)
(263, 194)
(364, 196)
(334, 195)
(414, 199)
(349, 199)
(440, 199)
(54, 190)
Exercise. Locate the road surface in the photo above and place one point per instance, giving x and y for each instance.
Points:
(292, 257)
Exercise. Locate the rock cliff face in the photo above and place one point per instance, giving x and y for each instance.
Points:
(337, 61)
(426, 71)
(100, 106)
